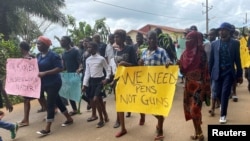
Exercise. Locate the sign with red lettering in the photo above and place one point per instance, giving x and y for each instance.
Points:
(22, 77)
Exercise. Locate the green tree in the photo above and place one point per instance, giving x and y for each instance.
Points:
(8, 49)
(28, 29)
(82, 29)
(101, 28)
(46, 9)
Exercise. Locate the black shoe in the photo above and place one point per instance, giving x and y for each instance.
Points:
(235, 98)
(43, 132)
(100, 124)
(88, 107)
(128, 114)
(66, 123)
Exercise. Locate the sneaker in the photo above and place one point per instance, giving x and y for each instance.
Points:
(14, 131)
(117, 124)
(223, 120)
(43, 132)
(66, 123)
(235, 98)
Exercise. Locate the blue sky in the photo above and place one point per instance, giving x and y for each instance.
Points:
(133, 14)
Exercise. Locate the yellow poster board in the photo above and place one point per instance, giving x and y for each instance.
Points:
(146, 89)
(244, 52)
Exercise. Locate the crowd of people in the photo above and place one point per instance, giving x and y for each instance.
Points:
(210, 67)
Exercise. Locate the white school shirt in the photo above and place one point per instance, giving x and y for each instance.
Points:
(113, 65)
(94, 68)
(109, 52)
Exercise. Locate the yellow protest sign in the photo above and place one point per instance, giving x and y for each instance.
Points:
(146, 89)
(244, 52)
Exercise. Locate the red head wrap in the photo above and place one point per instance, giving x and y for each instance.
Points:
(45, 40)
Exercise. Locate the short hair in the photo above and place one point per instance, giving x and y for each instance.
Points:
(111, 35)
(128, 38)
(24, 45)
(152, 32)
(139, 34)
(194, 27)
(158, 31)
(68, 39)
(93, 44)
(121, 33)
(87, 38)
(214, 30)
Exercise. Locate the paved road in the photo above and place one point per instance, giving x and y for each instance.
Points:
(175, 126)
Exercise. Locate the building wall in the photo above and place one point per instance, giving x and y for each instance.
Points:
(174, 35)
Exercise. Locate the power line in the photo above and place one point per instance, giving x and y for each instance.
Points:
(139, 11)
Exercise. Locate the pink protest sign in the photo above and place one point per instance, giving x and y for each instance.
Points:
(22, 77)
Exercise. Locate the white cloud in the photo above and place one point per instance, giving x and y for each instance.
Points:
(133, 14)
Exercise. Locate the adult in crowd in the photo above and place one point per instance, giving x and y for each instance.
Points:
(166, 42)
(50, 65)
(25, 48)
(155, 56)
(235, 34)
(129, 41)
(139, 44)
(225, 66)
(124, 56)
(101, 45)
(215, 103)
(71, 62)
(193, 64)
(109, 52)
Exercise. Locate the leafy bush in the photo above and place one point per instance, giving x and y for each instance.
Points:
(8, 49)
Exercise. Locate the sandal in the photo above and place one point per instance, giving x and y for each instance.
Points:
(22, 124)
(159, 137)
(119, 134)
(211, 112)
(41, 110)
(198, 137)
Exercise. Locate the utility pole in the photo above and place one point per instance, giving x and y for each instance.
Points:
(206, 12)
(246, 19)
